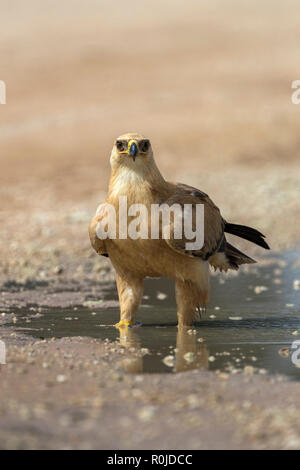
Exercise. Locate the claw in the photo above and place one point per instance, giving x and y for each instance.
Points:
(124, 323)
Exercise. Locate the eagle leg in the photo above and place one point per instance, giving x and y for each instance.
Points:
(130, 291)
(189, 298)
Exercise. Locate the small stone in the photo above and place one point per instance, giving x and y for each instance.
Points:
(260, 289)
(146, 413)
(296, 284)
(191, 332)
(58, 270)
(61, 378)
(193, 401)
(169, 361)
(189, 357)
(284, 352)
(161, 296)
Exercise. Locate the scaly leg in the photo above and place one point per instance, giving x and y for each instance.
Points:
(130, 293)
(189, 297)
(186, 308)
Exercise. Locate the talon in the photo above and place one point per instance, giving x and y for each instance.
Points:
(124, 323)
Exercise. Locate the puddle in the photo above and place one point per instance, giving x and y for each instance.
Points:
(251, 317)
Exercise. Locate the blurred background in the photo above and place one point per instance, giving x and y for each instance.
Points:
(209, 82)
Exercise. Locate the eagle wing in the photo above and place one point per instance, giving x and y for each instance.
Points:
(97, 243)
(213, 222)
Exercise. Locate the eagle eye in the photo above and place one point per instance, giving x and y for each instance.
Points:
(120, 146)
(144, 146)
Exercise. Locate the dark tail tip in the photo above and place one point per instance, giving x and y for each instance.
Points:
(248, 233)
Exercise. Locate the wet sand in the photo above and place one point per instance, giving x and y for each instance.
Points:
(71, 394)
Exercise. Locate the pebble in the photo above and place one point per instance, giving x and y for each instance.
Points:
(169, 361)
(284, 352)
(189, 357)
(260, 289)
(296, 284)
(191, 332)
(161, 296)
(146, 413)
(61, 378)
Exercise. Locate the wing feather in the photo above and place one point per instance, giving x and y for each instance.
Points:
(96, 242)
(213, 222)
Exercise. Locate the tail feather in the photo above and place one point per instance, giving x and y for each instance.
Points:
(236, 256)
(230, 258)
(248, 233)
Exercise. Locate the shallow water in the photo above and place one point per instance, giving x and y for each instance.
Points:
(241, 328)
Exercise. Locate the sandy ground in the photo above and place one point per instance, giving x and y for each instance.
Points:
(73, 394)
(211, 86)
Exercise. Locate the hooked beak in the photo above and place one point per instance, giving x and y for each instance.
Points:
(133, 149)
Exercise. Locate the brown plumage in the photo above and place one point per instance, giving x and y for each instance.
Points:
(135, 175)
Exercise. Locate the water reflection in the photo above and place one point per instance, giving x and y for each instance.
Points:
(188, 354)
(133, 362)
(250, 320)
